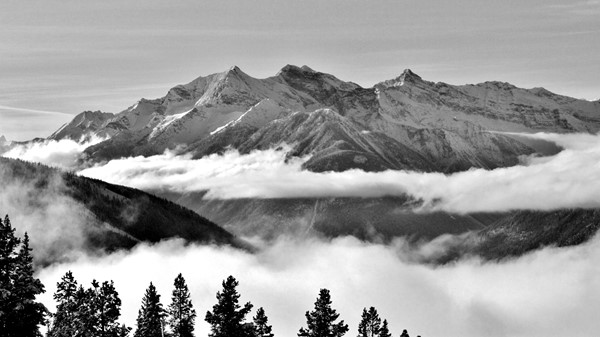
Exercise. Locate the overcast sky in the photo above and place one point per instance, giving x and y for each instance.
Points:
(58, 58)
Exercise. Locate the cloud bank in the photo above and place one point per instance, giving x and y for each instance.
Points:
(548, 292)
(568, 179)
(551, 292)
(63, 153)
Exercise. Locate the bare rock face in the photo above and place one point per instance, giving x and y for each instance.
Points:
(402, 123)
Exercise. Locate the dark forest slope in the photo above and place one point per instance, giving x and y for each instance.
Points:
(525, 231)
(118, 216)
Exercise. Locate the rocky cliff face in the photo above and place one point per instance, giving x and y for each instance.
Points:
(402, 123)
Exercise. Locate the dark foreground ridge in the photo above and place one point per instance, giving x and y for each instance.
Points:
(113, 216)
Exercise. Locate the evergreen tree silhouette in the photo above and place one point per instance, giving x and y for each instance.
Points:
(261, 326)
(20, 314)
(105, 306)
(320, 322)
(384, 332)
(181, 313)
(150, 315)
(227, 317)
(86, 312)
(65, 318)
(370, 323)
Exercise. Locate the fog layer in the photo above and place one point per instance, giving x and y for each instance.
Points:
(568, 179)
(551, 292)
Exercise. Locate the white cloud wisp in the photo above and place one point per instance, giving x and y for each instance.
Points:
(63, 153)
(568, 179)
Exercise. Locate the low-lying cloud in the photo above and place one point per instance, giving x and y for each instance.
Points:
(551, 292)
(63, 153)
(548, 292)
(38, 203)
(55, 222)
(568, 179)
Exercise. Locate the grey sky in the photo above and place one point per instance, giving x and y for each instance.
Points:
(72, 55)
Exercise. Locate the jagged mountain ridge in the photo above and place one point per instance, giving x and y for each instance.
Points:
(402, 123)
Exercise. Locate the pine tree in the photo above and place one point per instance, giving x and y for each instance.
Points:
(404, 333)
(105, 309)
(370, 323)
(320, 322)
(84, 319)
(261, 326)
(20, 314)
(66, 318)
(384, 332)
(150, 316)
(86, 312)
(8, 247)
(181, 313)
(227, 317)
(29, 314)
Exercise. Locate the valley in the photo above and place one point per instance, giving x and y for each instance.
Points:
(403, 124)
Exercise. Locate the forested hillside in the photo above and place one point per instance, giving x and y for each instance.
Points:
(109, 216)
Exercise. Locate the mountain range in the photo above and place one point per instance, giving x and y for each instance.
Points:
(402, 123)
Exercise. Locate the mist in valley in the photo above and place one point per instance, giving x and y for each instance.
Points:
(546, 292)
(567, 179)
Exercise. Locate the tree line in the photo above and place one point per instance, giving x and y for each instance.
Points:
(94, 311)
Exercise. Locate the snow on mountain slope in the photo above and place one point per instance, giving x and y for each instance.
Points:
(164, 123)
(193, 125)
(257, 116)
(319, 90)
(405, 122)
(334, 142)
(262, 113)
(141, 115)
(84, 123)
(493, 105)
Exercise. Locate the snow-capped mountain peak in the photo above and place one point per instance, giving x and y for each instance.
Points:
(405, 122)
(407, 76)
(82, 124)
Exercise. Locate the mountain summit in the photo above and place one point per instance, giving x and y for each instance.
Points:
(407, 76)
(402, 123)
